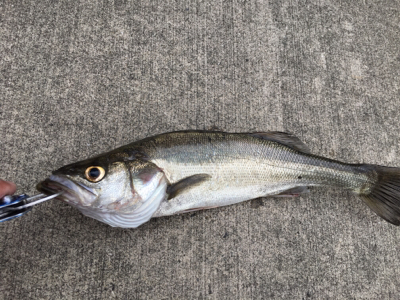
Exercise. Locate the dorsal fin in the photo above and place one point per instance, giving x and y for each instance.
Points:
(185, 184)
(284, 138)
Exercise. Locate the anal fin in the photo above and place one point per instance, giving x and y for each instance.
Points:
(293, 192)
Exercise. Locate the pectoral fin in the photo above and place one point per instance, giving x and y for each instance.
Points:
(283, 138)
(186, 184)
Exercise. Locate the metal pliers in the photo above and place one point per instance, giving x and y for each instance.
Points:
(15, 206)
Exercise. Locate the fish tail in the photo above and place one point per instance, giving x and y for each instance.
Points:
(382, 194)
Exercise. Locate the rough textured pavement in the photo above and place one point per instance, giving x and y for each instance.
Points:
(80, 78)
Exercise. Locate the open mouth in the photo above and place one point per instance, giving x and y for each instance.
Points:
(72, 192)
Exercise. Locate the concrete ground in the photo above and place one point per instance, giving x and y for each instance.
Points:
(80, 78)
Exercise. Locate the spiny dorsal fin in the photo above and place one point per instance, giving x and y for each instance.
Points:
(284, 138)
(185, 184)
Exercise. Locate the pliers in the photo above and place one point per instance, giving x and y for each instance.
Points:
(17, 205)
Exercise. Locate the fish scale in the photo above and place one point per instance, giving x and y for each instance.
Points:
(184, 171)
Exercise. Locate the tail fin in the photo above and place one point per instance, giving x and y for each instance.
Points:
(383, 197)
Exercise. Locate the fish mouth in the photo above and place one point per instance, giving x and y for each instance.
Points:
(72, 192)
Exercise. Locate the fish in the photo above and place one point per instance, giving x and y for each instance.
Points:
(185, 171)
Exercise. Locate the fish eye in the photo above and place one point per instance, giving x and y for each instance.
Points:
(95, 174)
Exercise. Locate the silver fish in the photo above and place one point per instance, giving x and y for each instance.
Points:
(184, 171)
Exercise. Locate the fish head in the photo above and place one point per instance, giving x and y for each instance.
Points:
(121, 193)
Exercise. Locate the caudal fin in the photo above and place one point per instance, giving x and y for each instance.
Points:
(383, 197)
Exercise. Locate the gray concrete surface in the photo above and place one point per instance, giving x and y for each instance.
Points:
(80, 78)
